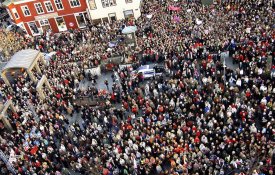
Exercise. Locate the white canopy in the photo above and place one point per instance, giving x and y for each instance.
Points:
(129, 29)
(22, 59)
(149, 16)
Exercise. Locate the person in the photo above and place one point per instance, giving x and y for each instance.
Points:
(107, 84)
(179, 123)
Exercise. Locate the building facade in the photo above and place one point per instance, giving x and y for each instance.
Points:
(38, 16)
(107, 10)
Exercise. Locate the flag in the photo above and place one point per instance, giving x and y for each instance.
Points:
(176, 19)
(34, 150)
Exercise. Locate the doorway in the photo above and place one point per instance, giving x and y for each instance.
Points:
(45, 25)
(61, 24)
(33, 28)
(81, 21)
(96, 21)
(112, 16)
(105, 20)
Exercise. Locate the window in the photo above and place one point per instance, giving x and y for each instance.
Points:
(92, 4)
(14, 11)
(33, 28)
(128, 13)
(49, 6)
(74, 3)
(58, 4)
(108, 3)
(128, 1)
(61, 24)
(39, 8)
(9, 13)
(45, 25)
(80, 18)
(112, 16)
(44, 22)
(26, 10)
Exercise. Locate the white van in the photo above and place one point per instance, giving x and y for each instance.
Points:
(148, 71)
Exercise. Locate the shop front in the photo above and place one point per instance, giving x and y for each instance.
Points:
(53, 22)
(61, 25)
(45, 25)
(81, 19)
(33, 28)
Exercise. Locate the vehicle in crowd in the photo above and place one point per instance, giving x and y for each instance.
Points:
(93, 72)
(148, 71)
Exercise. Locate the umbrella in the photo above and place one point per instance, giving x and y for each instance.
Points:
(129, 29)
(198, 22)
(112, 44)
(149, 16)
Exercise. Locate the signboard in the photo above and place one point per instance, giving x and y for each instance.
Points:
(47, 16)
(71, 24)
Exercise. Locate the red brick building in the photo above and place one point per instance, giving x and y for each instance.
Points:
(38, 16)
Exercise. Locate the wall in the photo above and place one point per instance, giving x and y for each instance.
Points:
(67, 12)
(16, 21)
(67, 9)
(121, 6)
(70, 19)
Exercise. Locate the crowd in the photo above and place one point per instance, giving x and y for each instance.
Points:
(198, 118)
(11, 43)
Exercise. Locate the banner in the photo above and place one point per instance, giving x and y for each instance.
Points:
(173, 8)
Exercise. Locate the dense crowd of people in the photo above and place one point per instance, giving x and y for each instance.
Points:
(11, 43)
(197, 118)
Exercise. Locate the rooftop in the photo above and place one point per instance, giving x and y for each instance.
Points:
(8, 2)
(22, 59)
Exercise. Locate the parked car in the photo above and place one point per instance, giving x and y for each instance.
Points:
(148, 71)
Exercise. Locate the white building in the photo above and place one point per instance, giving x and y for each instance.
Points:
(107, 10)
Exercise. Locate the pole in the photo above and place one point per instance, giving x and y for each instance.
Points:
(224, 66)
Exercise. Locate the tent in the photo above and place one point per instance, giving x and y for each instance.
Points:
(129, 29)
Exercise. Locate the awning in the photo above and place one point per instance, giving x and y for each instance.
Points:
(22, 59)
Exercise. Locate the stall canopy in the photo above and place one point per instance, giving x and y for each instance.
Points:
(22, 59)
(129, 29)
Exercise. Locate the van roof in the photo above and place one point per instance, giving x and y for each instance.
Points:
(143, 67)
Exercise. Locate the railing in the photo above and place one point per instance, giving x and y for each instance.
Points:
(8, 164)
